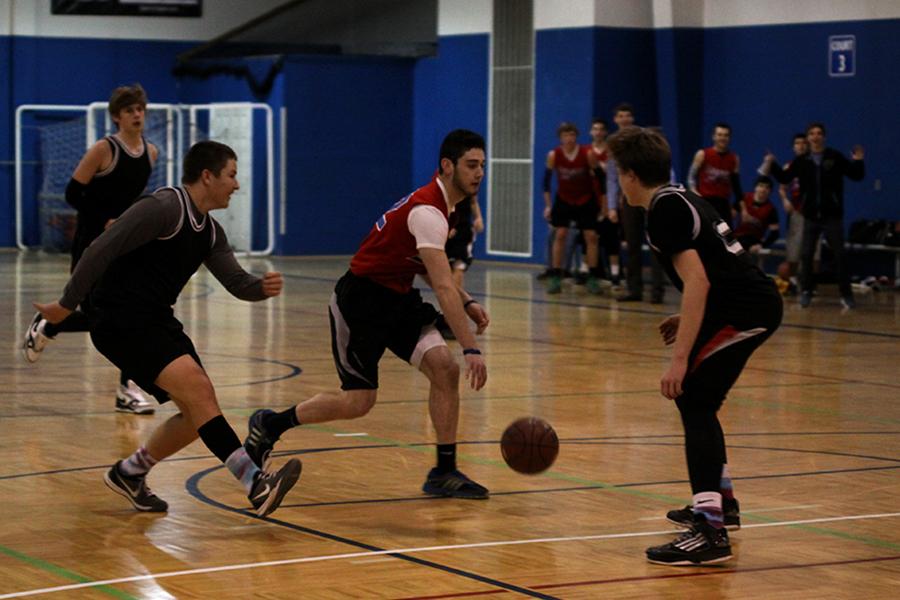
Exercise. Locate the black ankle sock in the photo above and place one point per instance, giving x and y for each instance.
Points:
(280, 422)
(50, 330)
(123, 379)
(219, 437)
(446, 457)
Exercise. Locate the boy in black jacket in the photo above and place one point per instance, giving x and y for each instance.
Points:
(820, 174)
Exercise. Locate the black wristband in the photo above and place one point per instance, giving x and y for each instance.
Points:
(471, 351)
(469, 301)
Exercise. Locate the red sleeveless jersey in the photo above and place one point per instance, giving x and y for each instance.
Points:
(715, 173)
(388, 255)
(574, 177)
(601, 157)
(759, 217)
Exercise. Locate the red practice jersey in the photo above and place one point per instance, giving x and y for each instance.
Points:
(714, 179)
(574, 176)
(388, 255)
(759, 219)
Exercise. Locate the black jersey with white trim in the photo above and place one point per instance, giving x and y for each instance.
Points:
(679, 220)
(142, 262)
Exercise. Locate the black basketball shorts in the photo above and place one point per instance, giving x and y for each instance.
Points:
(368, 318)
(584, 215)
(141, 347)
(459, 248)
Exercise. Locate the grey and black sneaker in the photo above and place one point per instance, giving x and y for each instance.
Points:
(453, 484)
(731, 514)
(35, 340)
(134, 489)
(703, 544)
(259, 442)
(269, 488)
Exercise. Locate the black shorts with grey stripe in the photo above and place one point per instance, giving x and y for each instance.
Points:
(142, 346)
(368, 318)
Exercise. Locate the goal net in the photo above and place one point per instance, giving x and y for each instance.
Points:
(50, 141)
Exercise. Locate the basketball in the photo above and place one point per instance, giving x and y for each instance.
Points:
(529, 445)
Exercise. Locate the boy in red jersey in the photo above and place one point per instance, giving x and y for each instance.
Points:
(376, 308)
(715, 173)
(759, 219)
(607, 230)
(578, 176)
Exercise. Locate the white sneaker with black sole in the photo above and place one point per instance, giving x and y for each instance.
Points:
(35, 340)
(131, 399)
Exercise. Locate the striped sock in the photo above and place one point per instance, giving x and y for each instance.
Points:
(725, 486)
(242, 467)
(709, 504)
(138, 463)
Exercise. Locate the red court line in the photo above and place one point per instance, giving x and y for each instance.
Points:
(712, 571)
(716, 571)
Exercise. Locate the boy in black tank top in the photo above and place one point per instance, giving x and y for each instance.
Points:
(135, 271)
(110, 177)
(728, 309)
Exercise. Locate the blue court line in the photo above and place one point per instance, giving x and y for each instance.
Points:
(574, 441)
(192, 487)
(621, 308)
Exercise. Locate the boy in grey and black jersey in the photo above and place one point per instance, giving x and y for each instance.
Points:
(135, 271)
(728, 309)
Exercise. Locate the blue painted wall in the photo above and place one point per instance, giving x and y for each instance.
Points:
(349, 148)
(450, 92)
(365, 132)
(582, 73)
(769, 82)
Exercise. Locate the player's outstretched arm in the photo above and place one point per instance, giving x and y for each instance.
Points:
(224, 266)
(451, 304)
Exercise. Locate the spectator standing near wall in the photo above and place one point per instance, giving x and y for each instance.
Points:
(821, 178)
(633, 224)
(578, 180)
(607, 230)
(715, 173)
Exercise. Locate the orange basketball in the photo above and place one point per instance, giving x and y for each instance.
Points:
(529, 445)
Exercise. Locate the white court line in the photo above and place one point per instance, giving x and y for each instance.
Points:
(749, 512)
(371, 553)
(361, 434)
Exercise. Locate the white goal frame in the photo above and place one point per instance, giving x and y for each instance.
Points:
(174, 148)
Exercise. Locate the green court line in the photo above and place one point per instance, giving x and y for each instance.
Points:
(63, 573)
(872, 541)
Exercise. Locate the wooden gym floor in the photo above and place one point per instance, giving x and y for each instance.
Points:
(813, 427)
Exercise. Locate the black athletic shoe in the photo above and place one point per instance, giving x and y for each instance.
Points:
(134, 489)
(453, 485)
(269, 488)
(259, 442)
(684, 517)
(703, 544)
